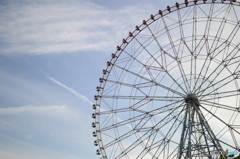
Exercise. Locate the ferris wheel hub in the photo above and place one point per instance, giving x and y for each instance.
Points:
(192, 98)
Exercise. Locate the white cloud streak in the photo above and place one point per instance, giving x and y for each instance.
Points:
(38, 27)
(23, 109)
(82, 97)
(58, 126)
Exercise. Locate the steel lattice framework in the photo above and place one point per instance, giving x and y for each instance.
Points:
(171, 89)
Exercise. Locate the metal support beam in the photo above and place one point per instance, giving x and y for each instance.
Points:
(197, 139)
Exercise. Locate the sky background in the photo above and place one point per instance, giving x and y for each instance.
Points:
(52, 53)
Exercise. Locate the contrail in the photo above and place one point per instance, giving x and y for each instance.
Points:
(82, 97)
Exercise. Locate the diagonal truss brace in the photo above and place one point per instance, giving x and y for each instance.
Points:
(197, 138)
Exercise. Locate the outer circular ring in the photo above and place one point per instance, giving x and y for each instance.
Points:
(124, 45)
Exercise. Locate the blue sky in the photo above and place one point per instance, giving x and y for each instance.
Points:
(51, 56)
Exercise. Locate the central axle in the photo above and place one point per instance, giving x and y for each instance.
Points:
(192, 98)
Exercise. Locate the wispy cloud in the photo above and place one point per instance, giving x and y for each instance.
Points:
(38, 27)
(80, 96)
(51, 131)
(16, 110)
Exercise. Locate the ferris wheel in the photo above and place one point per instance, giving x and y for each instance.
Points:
(171, 90)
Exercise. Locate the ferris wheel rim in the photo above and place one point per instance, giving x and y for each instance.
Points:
(136, 32)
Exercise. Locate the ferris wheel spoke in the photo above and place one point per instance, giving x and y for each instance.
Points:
(220, 83)
(136, 129)
(223, 122)
(120, 138)
(218, 105)
(141, 125)
(151, 98)
(235, 13)
(221, 66)
(167, 108)
(126, 122)
(182, 42)
(203, 70)
(160, 125)
(177, 57)
(234, 140)
(193, 76)
(172, 154)
(207, 30)
(136, 143)
(136, 106)
(205, 67)
(163, 150)
(163, 53)
(147, 134)
(149, 80)
(180, 24)
(228, 61)
(217, 85)
(171, 132)
(168, 136)
(115, 111)
(221, 95)
(138, 86)
(220, 28)
(194, 29)
(226, 130)
(139, 118)
(225, 62)
(109, 89)
(130, 133)
(163, 122)
(151, 147)
(205, 36)
(148, 142)
(227, 42)
(194, 47)
(209, 21)
(135, 57)
(149, 70)
(201, 44)
(236, 74)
